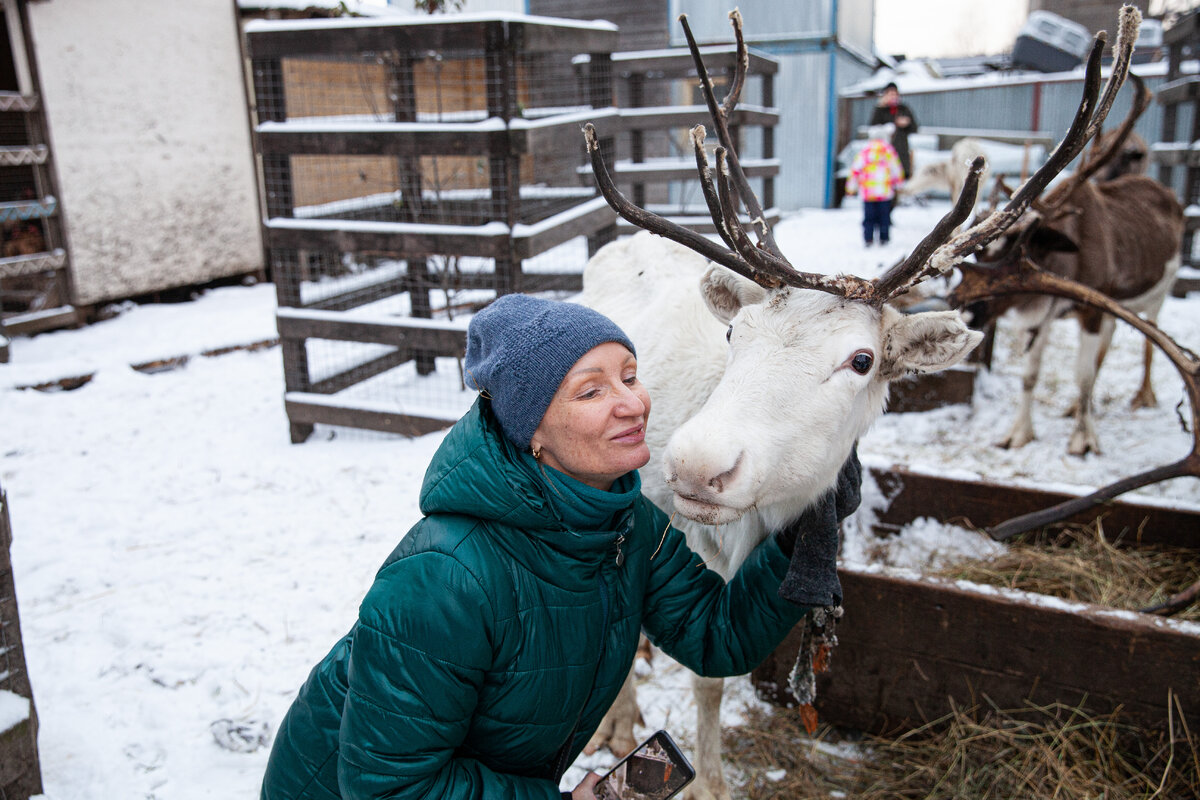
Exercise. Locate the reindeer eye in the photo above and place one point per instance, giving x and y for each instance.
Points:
(729, 333)
(861, 362)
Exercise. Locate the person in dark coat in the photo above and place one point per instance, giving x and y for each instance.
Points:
(496, 635)
(890, 109)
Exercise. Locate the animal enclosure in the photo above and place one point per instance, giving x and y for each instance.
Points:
(412, 170)
(897, 670)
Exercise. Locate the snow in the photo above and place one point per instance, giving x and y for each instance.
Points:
(388, 19)
(14, 710)
(180, 566)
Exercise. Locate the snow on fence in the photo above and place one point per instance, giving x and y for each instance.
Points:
(413, 169)
(20, 774)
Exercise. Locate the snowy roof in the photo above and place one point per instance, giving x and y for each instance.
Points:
(923, 76)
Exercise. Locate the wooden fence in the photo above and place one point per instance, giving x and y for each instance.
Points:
(20, 773)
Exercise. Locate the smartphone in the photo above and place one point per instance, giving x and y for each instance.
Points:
(655, 770)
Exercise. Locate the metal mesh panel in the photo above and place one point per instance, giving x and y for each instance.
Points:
(371, 220)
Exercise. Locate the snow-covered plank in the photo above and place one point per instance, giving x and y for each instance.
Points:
(401, 239)
(982, 503)
(447, 338)
(411, 420)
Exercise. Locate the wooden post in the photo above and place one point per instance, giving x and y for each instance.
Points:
(598, 89)
(768, 141)
(637, 138)
(411, 180)
(503, 167)
(20, 772)
(284, 265)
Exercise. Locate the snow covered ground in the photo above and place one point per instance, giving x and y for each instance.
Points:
(180, 565)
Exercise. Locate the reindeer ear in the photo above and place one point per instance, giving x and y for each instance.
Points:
(726, 292)
(926, 342)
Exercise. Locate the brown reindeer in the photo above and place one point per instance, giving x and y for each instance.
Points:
(1120, 236)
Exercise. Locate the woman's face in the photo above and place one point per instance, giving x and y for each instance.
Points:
(595, 427)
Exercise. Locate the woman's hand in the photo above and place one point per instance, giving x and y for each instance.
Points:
(584, 790)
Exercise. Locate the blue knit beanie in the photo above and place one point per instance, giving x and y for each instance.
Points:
(520, 348)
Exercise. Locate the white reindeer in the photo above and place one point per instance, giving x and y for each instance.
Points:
(948, 175)
(764, 379)
(814, 367)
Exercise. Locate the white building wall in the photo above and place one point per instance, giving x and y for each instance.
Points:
(150, 132)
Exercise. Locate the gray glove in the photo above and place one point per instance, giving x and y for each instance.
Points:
(811, 541)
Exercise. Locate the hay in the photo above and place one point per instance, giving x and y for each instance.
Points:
(1081, 564)
(1035, 752)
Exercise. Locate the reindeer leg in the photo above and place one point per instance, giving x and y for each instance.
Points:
(1021, 432)
(1145, 395)
(710, 779)
(1107, 326)
(1092, 347)
(616, 729)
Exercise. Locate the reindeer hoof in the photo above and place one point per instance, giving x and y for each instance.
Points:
(1143, 400)
(699, 791)
(1015, 441)
(619, 744)
(1083, 443)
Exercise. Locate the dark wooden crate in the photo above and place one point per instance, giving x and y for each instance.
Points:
(911, 649)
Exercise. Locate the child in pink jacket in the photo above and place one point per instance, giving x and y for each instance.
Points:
(875, 175)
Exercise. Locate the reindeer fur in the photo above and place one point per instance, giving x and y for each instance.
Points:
(1121, 237)
(748, 432)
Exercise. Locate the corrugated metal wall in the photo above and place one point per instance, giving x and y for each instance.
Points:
(799, 36)
(709, 19)
(1020, 105)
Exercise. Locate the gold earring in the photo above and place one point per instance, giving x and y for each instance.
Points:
(537, 453)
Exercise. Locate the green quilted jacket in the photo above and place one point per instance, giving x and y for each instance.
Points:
(492, 632)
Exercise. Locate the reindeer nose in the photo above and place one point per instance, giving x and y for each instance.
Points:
(717, 484)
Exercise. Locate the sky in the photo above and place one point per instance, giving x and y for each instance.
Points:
(180, 565)
(920, 28)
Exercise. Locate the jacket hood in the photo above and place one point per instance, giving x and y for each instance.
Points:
(478, 471)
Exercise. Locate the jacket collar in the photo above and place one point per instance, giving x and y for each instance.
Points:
(477, 471)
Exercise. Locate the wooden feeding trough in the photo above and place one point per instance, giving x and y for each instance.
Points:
(910, 649)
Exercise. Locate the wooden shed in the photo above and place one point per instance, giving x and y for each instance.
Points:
(128, 149)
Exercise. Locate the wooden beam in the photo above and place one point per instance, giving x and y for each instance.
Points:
(677, 62)
(929, 390)
(660, 117)
(361, 372)
(402, 240)
(908, 651)
(985, 503)
(289, 38)
(312, 409)
(443, 338)
(382, 139)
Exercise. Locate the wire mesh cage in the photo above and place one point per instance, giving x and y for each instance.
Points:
(414, 171)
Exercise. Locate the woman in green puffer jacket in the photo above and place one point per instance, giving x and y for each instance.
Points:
(501, 628)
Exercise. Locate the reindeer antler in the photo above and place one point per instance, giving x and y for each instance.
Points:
(765, 264)
(1140, 103)
(1089, 117)
(762, 263)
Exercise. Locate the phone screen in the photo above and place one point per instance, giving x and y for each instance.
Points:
(655, 770)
